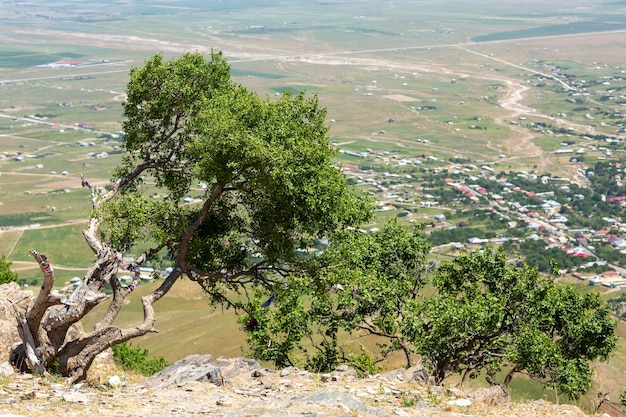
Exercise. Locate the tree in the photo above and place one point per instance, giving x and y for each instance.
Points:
(475, 314)
(6, 275)
(270, 189)
(492, 316)
(364, 284)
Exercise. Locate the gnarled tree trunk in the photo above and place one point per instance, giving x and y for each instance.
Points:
(45, 329)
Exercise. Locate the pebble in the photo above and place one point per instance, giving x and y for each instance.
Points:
(75, 397)
(461, 402)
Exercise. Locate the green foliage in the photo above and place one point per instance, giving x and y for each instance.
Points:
(135, 358)
(6, 275)
(489, 315)
(270, 186)
(535, 253)
(485, 315)
(622, 398)
(362, 283)
(364, 363)
(618, 306)
(408, 399)
(24, 219)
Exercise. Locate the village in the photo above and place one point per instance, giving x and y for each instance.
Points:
(430, 190)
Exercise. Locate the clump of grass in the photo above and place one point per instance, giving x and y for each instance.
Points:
(4, 381)
(408, 399)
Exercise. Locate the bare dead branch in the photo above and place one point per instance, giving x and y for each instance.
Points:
(45, 298)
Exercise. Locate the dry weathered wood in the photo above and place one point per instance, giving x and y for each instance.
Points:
(32, 358)
(45, 326)
(45, 298)
(35, 342)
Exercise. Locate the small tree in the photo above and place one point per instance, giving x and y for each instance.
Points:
(364, 284)
(491, 315)
(6, 275)
(270, 188)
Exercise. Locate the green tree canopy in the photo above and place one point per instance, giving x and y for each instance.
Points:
(491, 315)
(364, 284)
(6, 275)
(243, 182)
(476, 314)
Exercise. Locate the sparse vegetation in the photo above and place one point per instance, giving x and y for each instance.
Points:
(135, 358)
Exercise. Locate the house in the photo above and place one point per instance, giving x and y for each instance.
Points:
(558, 218)
(610, 274)
(476, 240)
(579, 252)
(619, 244)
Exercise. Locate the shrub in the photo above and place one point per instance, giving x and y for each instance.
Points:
(6, 275)
(135, 358)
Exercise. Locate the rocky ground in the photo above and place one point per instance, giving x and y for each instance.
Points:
(200, 386)
(238, 387)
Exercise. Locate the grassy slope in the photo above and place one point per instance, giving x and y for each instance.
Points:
(186, 324)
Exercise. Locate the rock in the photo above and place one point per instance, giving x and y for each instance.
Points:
(416, 373)
(346, 371)
(492, 396)
(75, 397)
(102, 368)
(192, 368)
(31, 395)
(421, 405)
(6, 369)
(114, 381)
(395, 375)
(223, 403)
(11, 295)
(342, 398)
(296, 394)
(236, 368)
(203, 368)
(567, 410)
(460, 402)
(286, 371)
(42, 395)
